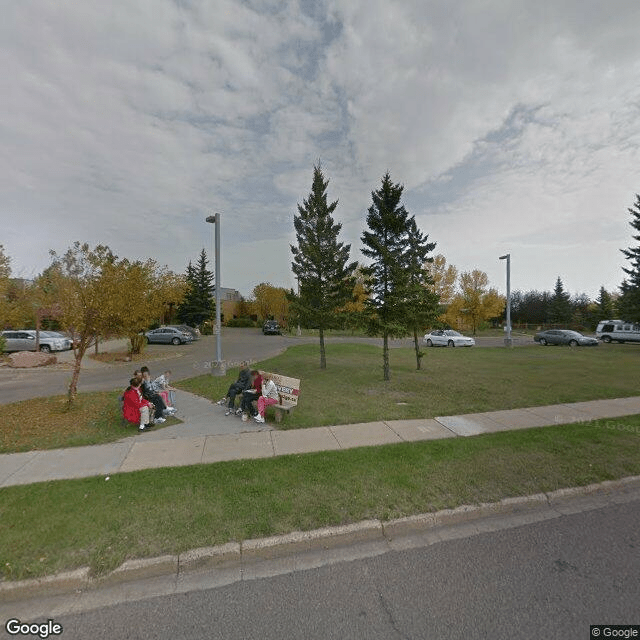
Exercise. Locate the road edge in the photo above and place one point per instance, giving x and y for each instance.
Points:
(248, 552)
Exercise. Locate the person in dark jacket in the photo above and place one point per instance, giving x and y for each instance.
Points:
(250, 395)
(241, 384)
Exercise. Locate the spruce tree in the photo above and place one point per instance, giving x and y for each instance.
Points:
(560, 309)
(421, 303)
(385, 243)
(198, 304)
(320, 262)
(605, 305)
(629, 301)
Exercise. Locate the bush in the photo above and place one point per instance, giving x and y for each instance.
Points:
(2, 343)
(241, 322)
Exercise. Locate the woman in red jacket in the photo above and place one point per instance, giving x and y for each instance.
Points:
(135, 408)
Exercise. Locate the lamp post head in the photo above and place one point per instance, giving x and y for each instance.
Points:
(212, 219)
(505, 257)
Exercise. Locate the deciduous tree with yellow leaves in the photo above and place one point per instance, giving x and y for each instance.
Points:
(98, 294)
(474, 301)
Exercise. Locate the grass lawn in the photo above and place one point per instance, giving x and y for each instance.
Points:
(351, 390)
(92, 522)
(48, 423)
(451, 381)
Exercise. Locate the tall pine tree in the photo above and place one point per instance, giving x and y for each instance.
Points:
(421, 303)
(629, 301)
(386, 243)
(198, 304)
(320, 262)
(605, 309)
(560, 305)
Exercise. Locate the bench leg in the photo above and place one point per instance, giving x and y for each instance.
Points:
(279, 415)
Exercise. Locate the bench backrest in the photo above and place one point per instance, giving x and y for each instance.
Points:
(288, 388)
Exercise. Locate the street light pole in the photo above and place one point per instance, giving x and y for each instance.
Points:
(218, 369)
(507, 341)
(299, 331)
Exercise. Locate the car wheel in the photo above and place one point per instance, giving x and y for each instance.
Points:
(451, 343)
(573, 343)
(175, 340)
(429, 343)
(543, 342)
(45, 348)
(606, 339)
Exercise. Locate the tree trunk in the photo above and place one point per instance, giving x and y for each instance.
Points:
(416, 346)
(323, 359)
(75, 376)
(38, 330)
(385, 356)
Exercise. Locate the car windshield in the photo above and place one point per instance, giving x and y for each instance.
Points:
(453, 333)
(573, 334)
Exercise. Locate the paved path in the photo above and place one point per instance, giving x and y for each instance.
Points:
(207, 436)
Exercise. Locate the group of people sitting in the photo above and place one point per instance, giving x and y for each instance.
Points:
(255, 387)
(147, 402)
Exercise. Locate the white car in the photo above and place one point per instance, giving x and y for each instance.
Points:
(447, 338)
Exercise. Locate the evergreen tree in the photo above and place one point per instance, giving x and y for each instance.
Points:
(320, 262)
(560, 305)
(629, 301)
(605, 307)
(582, 316)
(199, 303)
(385, 244)
(421, 303)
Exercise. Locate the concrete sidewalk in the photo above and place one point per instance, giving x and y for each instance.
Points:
(207, 436)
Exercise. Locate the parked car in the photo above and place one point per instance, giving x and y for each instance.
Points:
(25, 340)
(168, 335)
(194, 332)
(565, 336)
(67, 341)
(447, 338)
(618, 331)
(272, 327)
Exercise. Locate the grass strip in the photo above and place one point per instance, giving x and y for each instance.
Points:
(49, 423)
(451, 381)
(61, 525)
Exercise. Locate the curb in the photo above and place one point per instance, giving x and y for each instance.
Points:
(234, 554)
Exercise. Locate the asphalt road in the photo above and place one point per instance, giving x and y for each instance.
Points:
(550, 579)
(184, 361)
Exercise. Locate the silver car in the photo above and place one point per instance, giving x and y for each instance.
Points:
(447, 338)
(168, 335)
(56, 335)
(25, 340)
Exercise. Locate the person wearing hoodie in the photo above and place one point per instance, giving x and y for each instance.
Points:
(269, 396)
(241, 384)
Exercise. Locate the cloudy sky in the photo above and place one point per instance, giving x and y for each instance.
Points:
(514, 126)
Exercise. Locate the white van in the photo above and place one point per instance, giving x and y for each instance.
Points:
(618, 331)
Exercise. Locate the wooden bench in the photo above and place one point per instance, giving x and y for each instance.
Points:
(288, 394)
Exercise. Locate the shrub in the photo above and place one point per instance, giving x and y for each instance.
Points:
(240, 322)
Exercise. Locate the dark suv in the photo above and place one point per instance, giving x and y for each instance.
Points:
(272, 327)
